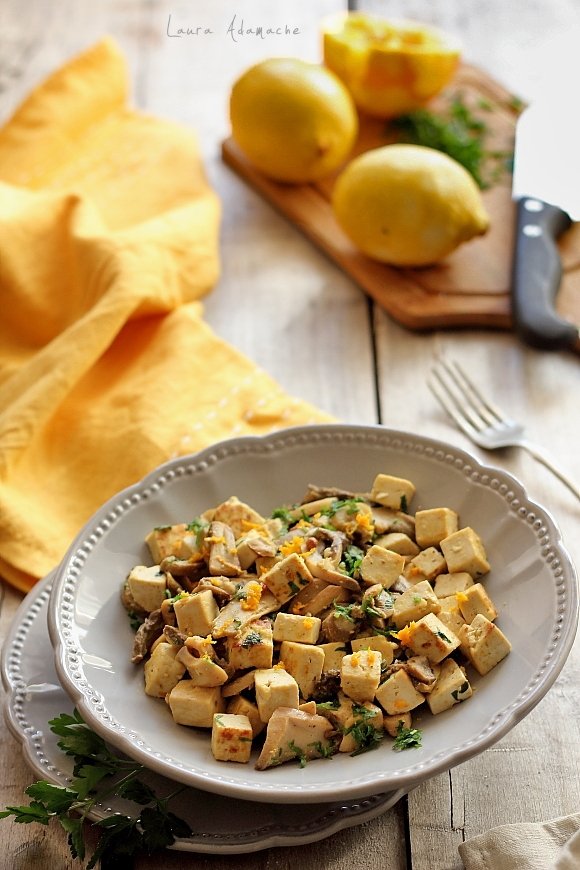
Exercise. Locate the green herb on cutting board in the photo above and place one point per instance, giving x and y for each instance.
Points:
(461, 134)
(122, 837)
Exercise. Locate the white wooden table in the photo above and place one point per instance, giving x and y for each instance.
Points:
(314, 324)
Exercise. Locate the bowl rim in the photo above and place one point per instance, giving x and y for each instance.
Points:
(86, 698)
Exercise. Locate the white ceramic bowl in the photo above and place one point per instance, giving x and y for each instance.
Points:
(532, 582)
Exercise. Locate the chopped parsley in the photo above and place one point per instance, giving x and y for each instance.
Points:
(407, 738)
(351, 559)
(364, 734)
(161, 528)
(417, 599)
(403, 505)
(443, 636)
(284, 514)
(199, 528)
(350, 505)
(325, 751)
(460, 134)
(298, 752)
(327, 705)
(293, 587)
(369, 609)
(455, 694)
(251, 639)
(135, 619)
(343, 610)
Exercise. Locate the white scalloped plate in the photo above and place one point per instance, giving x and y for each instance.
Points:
(532, 582)
(34, 696)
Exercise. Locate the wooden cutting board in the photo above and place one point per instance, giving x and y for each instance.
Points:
(471, 286)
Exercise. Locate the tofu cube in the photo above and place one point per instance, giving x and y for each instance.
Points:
(464, 551)
(287, 577)
(415, 603)
(434, 524)
(231, 737)
(450, 615)
(398, 694)
(202, 670)
(275, 688)
(449, 584)
(452, 686)
(195, 705)
(391, 724)
(333, 655)
(367, 714)
(360, 675)
(147, 586)
(484, 644)
(381, 566)
(398, 542)
(304, 662)
(429, 637)
(162, 670)
(164, 541)
(300, 629)
(244, 707)
(427, 565)
(195, 613)
(375, 641)
(476, 600)
(392, 492)
(251, 646)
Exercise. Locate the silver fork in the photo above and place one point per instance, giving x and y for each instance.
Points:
(481, 419)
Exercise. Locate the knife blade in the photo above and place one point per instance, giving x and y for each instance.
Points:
(546, 189)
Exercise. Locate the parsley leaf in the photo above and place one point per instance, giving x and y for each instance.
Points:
(351, 559)
(122, 836)
(251, 639)
(407, 738)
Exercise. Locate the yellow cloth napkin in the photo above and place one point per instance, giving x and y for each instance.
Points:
(108, 236)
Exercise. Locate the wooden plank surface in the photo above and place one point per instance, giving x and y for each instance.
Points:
(285, 305)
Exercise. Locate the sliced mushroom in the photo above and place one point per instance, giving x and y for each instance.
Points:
(390, 520)
(419, 667)
(295, 734)
(146, 635)
(236, 613)
(129, 602)
(314, 493)
(174, 636)
(310, 508)
(223, 557)
(337, 627)
(317, 597)
(324, 569)
(237, 685)
(223, 588)
(188, 571)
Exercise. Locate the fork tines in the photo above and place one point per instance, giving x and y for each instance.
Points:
(461, 398)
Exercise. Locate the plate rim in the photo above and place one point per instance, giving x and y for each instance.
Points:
(13, 706)
(506, 483)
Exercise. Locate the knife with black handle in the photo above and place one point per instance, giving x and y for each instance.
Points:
(546, 188)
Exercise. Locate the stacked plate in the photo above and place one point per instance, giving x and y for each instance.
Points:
(83, 658)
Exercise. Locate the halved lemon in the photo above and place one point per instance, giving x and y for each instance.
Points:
(390, 67)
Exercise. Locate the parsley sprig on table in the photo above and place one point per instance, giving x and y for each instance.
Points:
(98, 773)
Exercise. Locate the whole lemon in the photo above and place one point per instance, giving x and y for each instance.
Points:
(408, 205)
(295, 121)
(390, 67)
